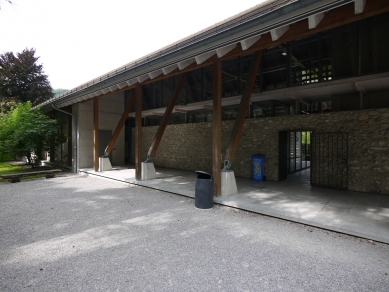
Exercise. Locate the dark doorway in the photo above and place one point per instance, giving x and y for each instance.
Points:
(105, 137)
(294, 152)
(329, 160)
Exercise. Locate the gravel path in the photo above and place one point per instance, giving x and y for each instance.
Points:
(82, 233)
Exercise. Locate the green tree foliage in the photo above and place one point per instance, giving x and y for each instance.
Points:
(26, 132)
(22, 78)
(306, 138)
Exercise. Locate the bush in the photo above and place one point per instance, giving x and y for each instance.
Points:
(24, 131)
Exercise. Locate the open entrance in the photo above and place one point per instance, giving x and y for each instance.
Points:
(299, 154)
(320, 159)
(294, 155)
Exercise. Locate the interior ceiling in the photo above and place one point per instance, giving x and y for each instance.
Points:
(324, 90)
(314, 92)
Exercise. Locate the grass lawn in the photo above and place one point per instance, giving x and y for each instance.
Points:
(8, 168)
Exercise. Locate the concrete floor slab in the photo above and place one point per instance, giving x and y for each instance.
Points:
(360, 214)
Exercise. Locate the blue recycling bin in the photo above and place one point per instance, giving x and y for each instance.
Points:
(258, 166)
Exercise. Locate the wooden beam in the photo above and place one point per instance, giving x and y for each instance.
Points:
(217, 127)
(243, 107)
(138, 132)
(96, 133)
(119, 127)
(168, 112)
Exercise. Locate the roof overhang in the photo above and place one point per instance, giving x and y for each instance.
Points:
(239, 32)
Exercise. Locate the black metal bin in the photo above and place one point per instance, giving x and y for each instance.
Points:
(204, 190)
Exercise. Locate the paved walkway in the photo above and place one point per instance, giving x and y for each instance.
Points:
(83, 233)
(361, 214)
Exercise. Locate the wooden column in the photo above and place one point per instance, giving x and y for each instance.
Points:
(96, 133)
(119, 127)
(138, 132)
(166, 117)
(217, 127)
(244, 104)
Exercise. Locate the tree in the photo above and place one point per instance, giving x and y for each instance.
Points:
(26, 132)
(7, 105)
(22, 78)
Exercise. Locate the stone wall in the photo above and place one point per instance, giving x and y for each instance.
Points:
(189, 146)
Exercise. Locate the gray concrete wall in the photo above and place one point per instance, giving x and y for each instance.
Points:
(84, 112)
(110, 111)
(189, 146)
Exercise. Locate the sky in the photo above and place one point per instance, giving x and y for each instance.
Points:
(78, 40)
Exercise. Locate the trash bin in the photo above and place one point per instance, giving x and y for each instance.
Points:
(204, 190)
(258, 165)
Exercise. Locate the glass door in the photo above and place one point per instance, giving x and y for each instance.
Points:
(298, 150)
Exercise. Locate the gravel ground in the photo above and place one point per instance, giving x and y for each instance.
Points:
(81, 233)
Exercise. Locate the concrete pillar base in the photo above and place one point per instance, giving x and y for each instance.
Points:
(104, 164)
(229, 187)
(148, 171)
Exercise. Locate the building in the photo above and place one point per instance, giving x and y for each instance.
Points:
(305, 83)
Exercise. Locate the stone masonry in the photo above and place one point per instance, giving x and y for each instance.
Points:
(189, 146)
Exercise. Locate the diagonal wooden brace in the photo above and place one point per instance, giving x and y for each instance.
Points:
(168, 112)
(119, 127)
(243, 107)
